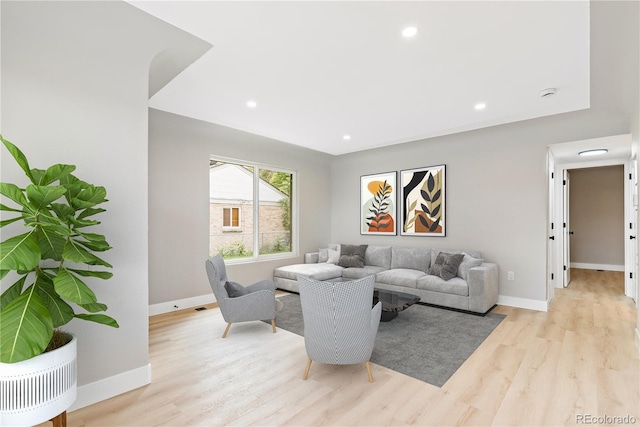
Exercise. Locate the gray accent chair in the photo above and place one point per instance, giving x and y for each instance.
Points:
(340, 326)
(258, 304)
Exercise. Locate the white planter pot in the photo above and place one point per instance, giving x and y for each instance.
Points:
(35, 390)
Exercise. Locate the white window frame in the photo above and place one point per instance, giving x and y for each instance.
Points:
(256, 207)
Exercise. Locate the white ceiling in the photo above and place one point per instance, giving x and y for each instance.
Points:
(320, 70)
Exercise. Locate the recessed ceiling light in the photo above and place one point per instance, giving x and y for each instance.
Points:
(346, 137)
(480, 106)
(409, 32)
(252, 104)
(595, 152)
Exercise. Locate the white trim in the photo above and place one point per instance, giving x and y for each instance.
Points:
(107, 388)
(529, 304)
(638, 339)
(589, 266)
(169, 306)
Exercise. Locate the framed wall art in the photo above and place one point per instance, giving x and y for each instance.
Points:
(423, 201)
(378, 204)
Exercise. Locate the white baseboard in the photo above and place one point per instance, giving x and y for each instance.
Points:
(606, 267)
(166, 307)
(106, 388)
(529, 304)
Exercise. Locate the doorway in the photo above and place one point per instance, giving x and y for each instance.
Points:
(562, 160)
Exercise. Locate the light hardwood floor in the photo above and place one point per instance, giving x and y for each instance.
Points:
(536, 368)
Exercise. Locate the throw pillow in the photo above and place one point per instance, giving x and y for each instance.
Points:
(446, 265)
(468, 262)
(235, 289)
(352, 255)
(334, 256)
(323, 255)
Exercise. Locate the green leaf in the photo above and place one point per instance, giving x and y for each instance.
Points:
(12, 292)
(64, 212)
(71, 288)
(26, 328)
(51, 244)
(95, 242)
(40, 196)
(90, 273)
(7, 208)
(20, 252)
(61, 312)
(75, 253)
(9, 221)
(14, 193)
(56, 172)
(82, 222)
(37, 175)
(3, 273)
(89, 197)
(90, 212)
(94, 308)
(19, 157)
(99, 318)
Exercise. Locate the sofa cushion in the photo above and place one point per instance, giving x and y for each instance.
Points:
(446, 265)
(323, 254)
(235, 289)
(400, 277)
(411, 258)
(324, 271)
(468, 262)
(378, 256)
(334, 256)
(352, 255)
(456, 286)
(359, 273)
(461, 273)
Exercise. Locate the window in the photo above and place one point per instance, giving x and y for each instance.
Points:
(251, 210)
(230, 218)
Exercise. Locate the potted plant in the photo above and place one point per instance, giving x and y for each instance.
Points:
(51, 264)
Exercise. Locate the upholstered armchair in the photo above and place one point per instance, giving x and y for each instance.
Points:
(340, 326)
(255, 302)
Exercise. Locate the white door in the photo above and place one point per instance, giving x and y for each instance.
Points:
(566, 240)
(631, 233)
(551, 232)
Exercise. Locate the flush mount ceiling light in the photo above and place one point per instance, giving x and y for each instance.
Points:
(252, 104)
(409, 32)
(346, 137)
(595, 152)
(480, 106)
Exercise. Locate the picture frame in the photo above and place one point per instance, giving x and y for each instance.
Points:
(422, 201)
(378, 210)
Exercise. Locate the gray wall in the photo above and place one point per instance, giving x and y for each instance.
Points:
(75, 90)
(597, 215)
(179, 150)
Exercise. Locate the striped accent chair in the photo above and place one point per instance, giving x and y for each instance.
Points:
(340, 326)
(258, 304)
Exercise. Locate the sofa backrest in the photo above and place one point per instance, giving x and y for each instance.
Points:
(378, 256)
(412, 258)
(435, 252)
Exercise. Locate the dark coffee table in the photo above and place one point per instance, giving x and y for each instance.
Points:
(393, 302)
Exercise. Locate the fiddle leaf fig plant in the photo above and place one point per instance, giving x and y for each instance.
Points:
(54, 259)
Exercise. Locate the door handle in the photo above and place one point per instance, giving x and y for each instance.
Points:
(632, 237)
(571, 232)
(552, 238)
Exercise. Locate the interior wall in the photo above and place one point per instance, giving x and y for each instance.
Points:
(75, 90)
(179, 151)
(597, 216)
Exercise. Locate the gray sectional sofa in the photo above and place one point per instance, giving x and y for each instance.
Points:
(473, 288)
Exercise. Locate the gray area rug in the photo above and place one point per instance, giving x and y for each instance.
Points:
(424, 342)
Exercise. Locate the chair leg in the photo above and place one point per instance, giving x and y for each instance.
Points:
(273, 325)
(306, 370)
(226, 330)
(367, 365)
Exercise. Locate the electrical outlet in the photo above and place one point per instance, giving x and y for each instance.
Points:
(511, 275)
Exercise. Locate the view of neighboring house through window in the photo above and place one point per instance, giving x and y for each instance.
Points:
(250, 209)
